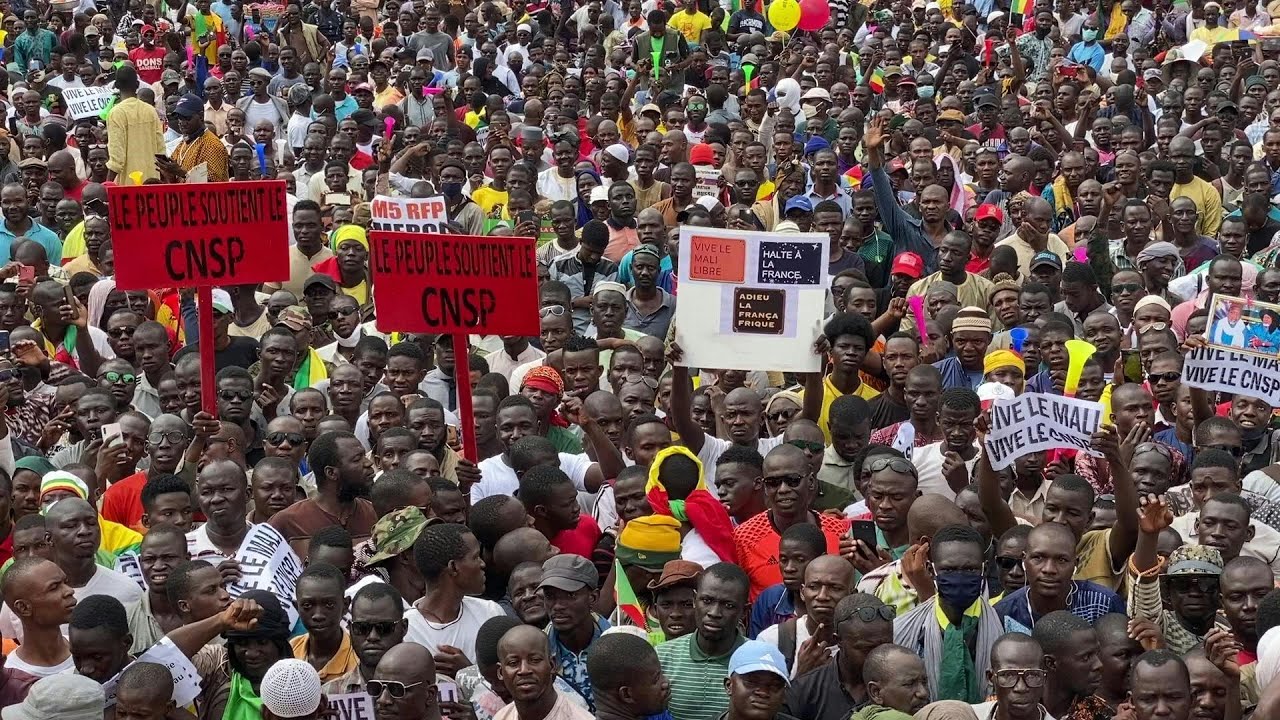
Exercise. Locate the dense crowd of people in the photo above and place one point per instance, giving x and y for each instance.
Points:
(629, 537)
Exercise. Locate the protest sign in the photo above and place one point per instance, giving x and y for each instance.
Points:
(86, 102)
(267, 563)
(708, 184)
(186, 679)
(435, 283)
(408, 215)
(127, 564)
(1239, 325)
(199, 235)
(1033, 422)
(349, 706)
(1211, 368)
(751, 300)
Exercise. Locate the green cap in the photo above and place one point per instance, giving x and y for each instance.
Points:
(396, 532)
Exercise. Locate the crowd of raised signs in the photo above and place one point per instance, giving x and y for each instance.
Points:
(1036, 476)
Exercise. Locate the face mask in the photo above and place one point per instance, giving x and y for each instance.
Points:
(1089, 35)
(924, 92)
(959, 590)
(453, 189)
(809, 110)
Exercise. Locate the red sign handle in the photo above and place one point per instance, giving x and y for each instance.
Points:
(462, 379)
(204, 310)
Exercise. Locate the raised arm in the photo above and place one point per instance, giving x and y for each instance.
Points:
(682, 403)
(999, 514)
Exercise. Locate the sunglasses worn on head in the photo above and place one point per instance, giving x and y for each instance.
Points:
(896, 464)
(869, 614)
(395, 688)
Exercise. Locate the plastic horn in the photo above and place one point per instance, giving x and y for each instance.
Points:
(1078, 351)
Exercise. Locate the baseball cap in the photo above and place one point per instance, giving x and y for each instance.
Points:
(816, 94)
(598, 194)
(1194, 560)
(759, 656)
(148, 29)
(1152, 74)
(701, 154)
(190, 106)
(295, 317)
(798, 202)
(291, 688)
(31, 162)
(91, 30)
(569, 573)
(987, 211)
(222, 301)
(425, 55)
(65, 697)
(650, 107)
(893, 70)
(319, 280)
(951, 114)
(395, 533)
(260, 72)
(981, 99)
(299, 94)
(677, 572)
(362, 87)
(1046, 258)
(170, 76)
(909, 264)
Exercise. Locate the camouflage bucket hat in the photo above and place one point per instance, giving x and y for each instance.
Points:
(396, 532)
(1194, 560)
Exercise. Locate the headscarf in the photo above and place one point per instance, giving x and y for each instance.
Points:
(584, 211)
(36, 464)
(700, 509)
(98, 293)
(960, 196)
(947, 710)
(273, 625)
(788, 95)
(1156, 250)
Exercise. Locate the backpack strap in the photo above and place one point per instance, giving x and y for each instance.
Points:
(787, 641)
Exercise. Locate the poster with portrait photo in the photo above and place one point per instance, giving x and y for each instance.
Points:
(1244, 326)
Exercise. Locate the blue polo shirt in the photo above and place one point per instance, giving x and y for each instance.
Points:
(41, 234)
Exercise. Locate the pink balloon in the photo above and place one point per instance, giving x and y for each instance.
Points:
(814, 15)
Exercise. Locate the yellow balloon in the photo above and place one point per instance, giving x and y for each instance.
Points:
(784, 15)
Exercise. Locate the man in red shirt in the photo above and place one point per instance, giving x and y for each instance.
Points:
(148, 58)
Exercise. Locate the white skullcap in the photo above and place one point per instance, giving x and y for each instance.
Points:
(291, 688)
(619, 152)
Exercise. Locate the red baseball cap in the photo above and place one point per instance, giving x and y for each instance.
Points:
(987, 211)
(147, 29)
(909, 264)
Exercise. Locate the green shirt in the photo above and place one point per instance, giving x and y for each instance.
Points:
(697, 679)
(564, 440)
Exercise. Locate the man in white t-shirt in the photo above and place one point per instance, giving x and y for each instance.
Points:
(41, 599)
(957, 453)
(448, 615)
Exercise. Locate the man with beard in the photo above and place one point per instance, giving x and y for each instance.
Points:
(427, 419)
(343, 473)
(698, 663)
(971, 335)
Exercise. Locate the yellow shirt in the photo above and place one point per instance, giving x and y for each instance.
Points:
(1208, 203)
(134, 138)
(342, 662)
(73, 246)
(493, 203)
(690, 26)
(829, 394)
(213, 24)
(1093, 559)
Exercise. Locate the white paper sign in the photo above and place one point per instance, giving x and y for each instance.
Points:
(414, 215)
(1039, 421)
(708, 184)
(751, 300)
(268, 563)
(86, 102)
(127, 564)
(1214, 369)
(349, 706)
(186, 679)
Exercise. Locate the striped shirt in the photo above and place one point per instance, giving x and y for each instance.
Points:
(1086, 600)
(697, 679)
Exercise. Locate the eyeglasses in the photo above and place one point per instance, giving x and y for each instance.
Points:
(868, 614)
(1185, 583)
(1164, 377)
(643, 379)
(232, 395)
(397, 689)
(279, 438)
(792, 481)
(175, 437)
(1126, 288)
(1008, 562)
(345, 311)
(896, 464)
(1008, 678)
(556, 310)
(1235, 451)
(807, 445)
(384, 628)
(112, 376)
(119, 332)
(780, 415)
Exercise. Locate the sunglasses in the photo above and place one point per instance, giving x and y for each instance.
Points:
(395, 688)
(280, 437)
(556, 310)
(808, 445)
(122, 332)
(868, 614)
(792, 481)
(175, 437)
(1009, 677)
(1154, 327)
(384, 628)
(345, 311)
(780, 415)
(1126, 288)
(233, 395)
(896, 464)
(112, 376)
(1008, 562)
(1164, 377)
(643, 379)
(1185, 583)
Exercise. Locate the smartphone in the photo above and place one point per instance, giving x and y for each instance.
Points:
(864, 530)
(1132, 365)
(69, 296)
(26, 274)
(526, 216)
(448, 691)
(111, 433)
(4, 342)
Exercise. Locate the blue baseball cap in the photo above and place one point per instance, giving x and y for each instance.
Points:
(798, 202)
(759, 656)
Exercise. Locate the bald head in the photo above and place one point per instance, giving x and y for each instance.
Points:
(521, 545)
(407, 659)
(930, 513)
(525, 636)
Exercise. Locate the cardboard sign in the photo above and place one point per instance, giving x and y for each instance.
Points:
(1039, 421)
(408, 215)
(1234, 372)
(454, 283)
(349, 706)
(268, 563)
(86, 102)
(186, 235)
(751, 300)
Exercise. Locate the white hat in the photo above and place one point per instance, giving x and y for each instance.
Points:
(59, 697)
(222, 301)
(619, 152)
(524, 27)
(708, 201)
(816, 94)
(598, 194)
(994, 16)
(291, 689)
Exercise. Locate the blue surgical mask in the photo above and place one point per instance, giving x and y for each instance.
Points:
(1089, 35)
(959, 590)
(924, 92)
